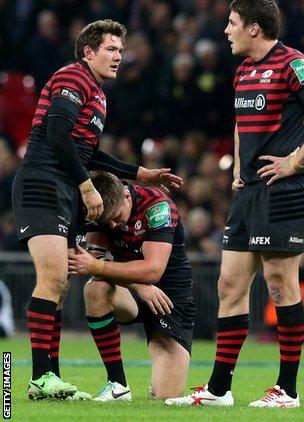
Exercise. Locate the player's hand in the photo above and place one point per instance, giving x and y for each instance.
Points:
(81, 263)
(237, 184)
(159, 177)
(93, 203)
(279, 168)
(157, 300)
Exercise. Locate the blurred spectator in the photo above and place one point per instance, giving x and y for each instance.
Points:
(198, 225)
(172, 104)
(44, 48)
(8, 166)
(17, 106)
(6, 312)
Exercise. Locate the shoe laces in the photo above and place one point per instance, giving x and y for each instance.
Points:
(199, 389)
(272, 393)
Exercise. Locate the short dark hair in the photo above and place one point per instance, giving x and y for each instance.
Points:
(111, 190)
(265, 13)
(93, 35)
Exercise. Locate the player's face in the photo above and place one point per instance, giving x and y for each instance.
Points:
(238, 35)
(106, 60)
(121, 214)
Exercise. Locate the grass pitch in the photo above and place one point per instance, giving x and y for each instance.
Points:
(257, 370)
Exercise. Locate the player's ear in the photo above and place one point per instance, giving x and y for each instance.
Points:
(254, 29)
(88, 52)
(127, 194)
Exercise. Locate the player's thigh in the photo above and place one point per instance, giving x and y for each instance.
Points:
(170, 363)
(50, 257)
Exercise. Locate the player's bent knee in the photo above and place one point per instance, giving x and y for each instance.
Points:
(96, 293)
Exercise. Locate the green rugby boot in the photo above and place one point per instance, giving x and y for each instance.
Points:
(49, 385)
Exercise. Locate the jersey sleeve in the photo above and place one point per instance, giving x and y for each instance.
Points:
(295, 76)
(162, 217)
(69, 91)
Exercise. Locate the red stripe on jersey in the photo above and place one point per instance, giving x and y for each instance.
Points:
(260, 87)
(257, 129)
(281, 96)
(85, 80)
(259, 118)
(271, 107)
(43, 102)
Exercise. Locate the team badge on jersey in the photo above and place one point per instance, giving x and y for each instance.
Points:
(298, 67)
(159, 215)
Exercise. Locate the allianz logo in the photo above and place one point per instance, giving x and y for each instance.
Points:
(97, 122)
(295, 240)
(258, 103)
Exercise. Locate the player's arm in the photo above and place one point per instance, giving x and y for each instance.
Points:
(104, 161)
(148, 270)
(156, 299)
(237, 181)
(61, 120)
(281, 167)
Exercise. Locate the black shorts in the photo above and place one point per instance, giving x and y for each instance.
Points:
(44, 203)
(179, 324)
(267, 218)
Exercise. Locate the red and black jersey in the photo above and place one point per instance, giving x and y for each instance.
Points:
(154, 217)
(269, 106)
(74, 91)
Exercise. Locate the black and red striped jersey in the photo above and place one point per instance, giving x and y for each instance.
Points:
(154, 217)
(75, 91)
(269, 106)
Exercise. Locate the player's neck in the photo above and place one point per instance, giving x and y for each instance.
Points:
(261, 49)
(96, 75)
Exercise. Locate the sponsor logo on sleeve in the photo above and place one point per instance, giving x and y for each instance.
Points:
(97, 122)
(159, 215)
(72, 96)
(298, 68)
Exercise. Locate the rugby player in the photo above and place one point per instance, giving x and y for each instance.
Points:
(148, 281)
(53, 186)
(266, 219)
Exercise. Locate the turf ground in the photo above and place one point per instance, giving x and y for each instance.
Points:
(256, 371)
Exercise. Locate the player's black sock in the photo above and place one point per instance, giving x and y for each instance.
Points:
(232, 332)
(291, 336)
(41, 316)
(55, 343)
(106, 335)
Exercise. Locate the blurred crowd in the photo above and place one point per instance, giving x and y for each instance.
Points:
(172, 104)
